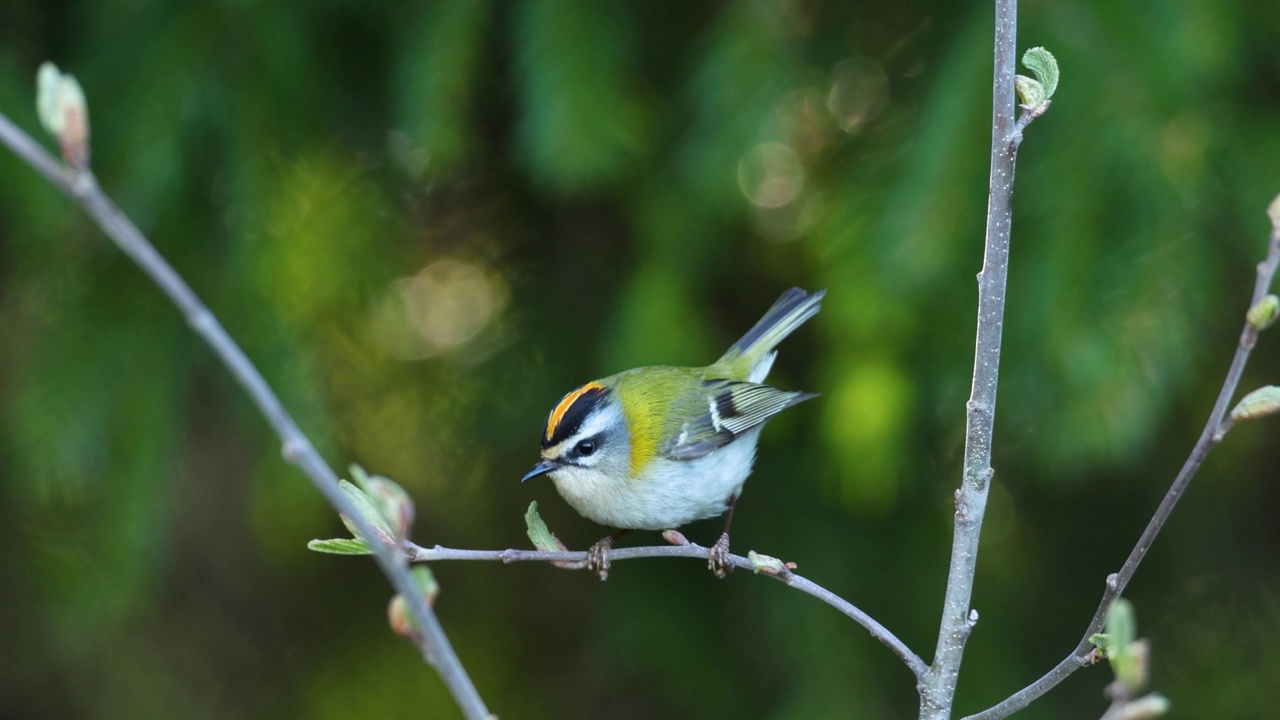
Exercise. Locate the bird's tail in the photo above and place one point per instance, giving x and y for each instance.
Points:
(751, 357)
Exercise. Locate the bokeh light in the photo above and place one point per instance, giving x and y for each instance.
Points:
(859, 91)
(445, 305)
(771, 175)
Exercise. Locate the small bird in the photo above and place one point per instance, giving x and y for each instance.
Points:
(655, 448)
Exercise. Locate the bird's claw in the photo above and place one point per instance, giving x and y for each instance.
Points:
(598, 558)
(718, 558)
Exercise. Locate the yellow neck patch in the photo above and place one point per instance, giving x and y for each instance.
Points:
(644, 445)
(644, 423)
(557, 414)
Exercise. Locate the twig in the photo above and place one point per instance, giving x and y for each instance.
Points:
(913, 662)
(938, 687)
(1214, 430)
(82, 186)
(1120, 695)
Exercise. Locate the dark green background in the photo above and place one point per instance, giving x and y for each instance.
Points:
(588, 173)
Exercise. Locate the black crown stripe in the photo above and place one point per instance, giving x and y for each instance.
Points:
(573, 409)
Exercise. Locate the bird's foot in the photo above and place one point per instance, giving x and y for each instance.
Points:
(598, 557)
(718, 559)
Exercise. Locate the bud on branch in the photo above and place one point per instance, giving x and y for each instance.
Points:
(64, 113)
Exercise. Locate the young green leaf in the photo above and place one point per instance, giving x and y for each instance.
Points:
(1045, 67)
(542, 538)
(1260, 402)
(368, 511)
(359, 475)
(340, 546)
(1128, 656)
(1122, 627)
(392, 501)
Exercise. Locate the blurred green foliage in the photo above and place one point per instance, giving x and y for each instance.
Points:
(427, 221)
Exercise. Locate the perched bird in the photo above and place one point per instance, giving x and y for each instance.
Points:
(658, 447)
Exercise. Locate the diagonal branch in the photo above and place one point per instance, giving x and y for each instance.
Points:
(1214, 430)
(690, 550)
(82, 186)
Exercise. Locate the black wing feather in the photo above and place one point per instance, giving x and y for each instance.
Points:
(732, 408)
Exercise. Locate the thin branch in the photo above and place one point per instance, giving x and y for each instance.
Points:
(1214, 430)
(938, 687)
(1120, 695)
(691, 550)
(82, 186)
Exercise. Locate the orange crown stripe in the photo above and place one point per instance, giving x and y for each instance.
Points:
(557, 415)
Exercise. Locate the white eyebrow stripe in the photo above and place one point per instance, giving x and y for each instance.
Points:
(599, 421)
(596, 423)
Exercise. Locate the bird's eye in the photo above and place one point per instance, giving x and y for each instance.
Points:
(585, 448)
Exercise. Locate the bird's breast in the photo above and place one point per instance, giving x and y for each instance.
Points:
(665, 493)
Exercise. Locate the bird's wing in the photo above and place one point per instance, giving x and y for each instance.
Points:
(730, 408)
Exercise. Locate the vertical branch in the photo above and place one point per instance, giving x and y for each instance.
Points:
(81, 185)
(938, 687)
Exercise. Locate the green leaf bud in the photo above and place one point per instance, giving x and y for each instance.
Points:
(769, 565)
(1265, 313)
(368, 511)
(394, 504)
(398, 616)
(64, 112)
(1030, 92)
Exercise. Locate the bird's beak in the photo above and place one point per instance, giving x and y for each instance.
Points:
(541, 468)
